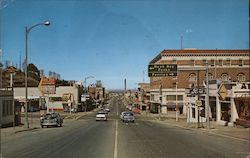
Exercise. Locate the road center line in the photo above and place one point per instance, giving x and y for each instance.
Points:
(116, 136)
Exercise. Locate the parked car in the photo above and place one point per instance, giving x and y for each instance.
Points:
(51, 119)
(127, 117)
(102, 115)
(107, 109)
(136, 110)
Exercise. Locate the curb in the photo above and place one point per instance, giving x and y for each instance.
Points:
(204, 131)
(29, 129)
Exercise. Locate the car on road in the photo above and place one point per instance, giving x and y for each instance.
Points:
(107, 109)
(102, 115)
(122, 114)
(127, 117)
(51, 119)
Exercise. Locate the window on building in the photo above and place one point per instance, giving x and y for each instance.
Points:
(228, 62)
(240, 62)
(204, 62)
(192, 62)
(212, 62)
(210, 76)
(241, 77)
(192, 78)
(180, 97)
(224, 77)
(220, 62)
(174, 61)
(173, 97)
(152, 97)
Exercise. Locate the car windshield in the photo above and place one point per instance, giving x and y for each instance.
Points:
(50, 116)
(101, 113)
(124, 79)
(128, 114)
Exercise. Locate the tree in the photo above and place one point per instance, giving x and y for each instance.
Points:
(33, 71)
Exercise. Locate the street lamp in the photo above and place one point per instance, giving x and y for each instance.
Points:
(27, 30)
(85, 91)
(85, 88)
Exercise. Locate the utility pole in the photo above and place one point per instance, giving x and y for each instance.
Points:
(125, 85)
(160, 99)
(176, 100)
(207, 97)
(181, 42)
(198, 87)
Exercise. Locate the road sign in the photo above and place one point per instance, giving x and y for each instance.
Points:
(162, 70)
(198, 103)
(196, 90)
(223, 91)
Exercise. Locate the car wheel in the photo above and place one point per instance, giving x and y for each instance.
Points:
(42, 126)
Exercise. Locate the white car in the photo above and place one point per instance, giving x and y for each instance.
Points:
(102, 115)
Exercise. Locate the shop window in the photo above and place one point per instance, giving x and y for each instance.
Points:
(171, 97)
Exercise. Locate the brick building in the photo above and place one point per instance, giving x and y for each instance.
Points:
(227, 66)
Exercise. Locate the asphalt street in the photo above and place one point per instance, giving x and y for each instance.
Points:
(87, 138)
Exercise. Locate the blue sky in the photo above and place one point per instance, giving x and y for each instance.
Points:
(115, 39)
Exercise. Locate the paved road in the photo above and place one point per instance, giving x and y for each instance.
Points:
(87, 138)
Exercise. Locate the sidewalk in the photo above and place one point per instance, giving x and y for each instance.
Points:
(34, 122)
(239, 133)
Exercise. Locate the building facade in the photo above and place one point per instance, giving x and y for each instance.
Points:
(170, 93)
(6, 108)
(64, 98)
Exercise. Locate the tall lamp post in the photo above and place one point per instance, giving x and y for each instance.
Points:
(85, 89)
(27, 30)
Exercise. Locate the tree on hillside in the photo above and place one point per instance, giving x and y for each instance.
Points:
(33, 71)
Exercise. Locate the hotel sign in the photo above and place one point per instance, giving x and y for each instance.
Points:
(162, 70)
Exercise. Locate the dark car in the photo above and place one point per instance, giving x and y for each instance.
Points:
(51, 119)
(128, 117)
